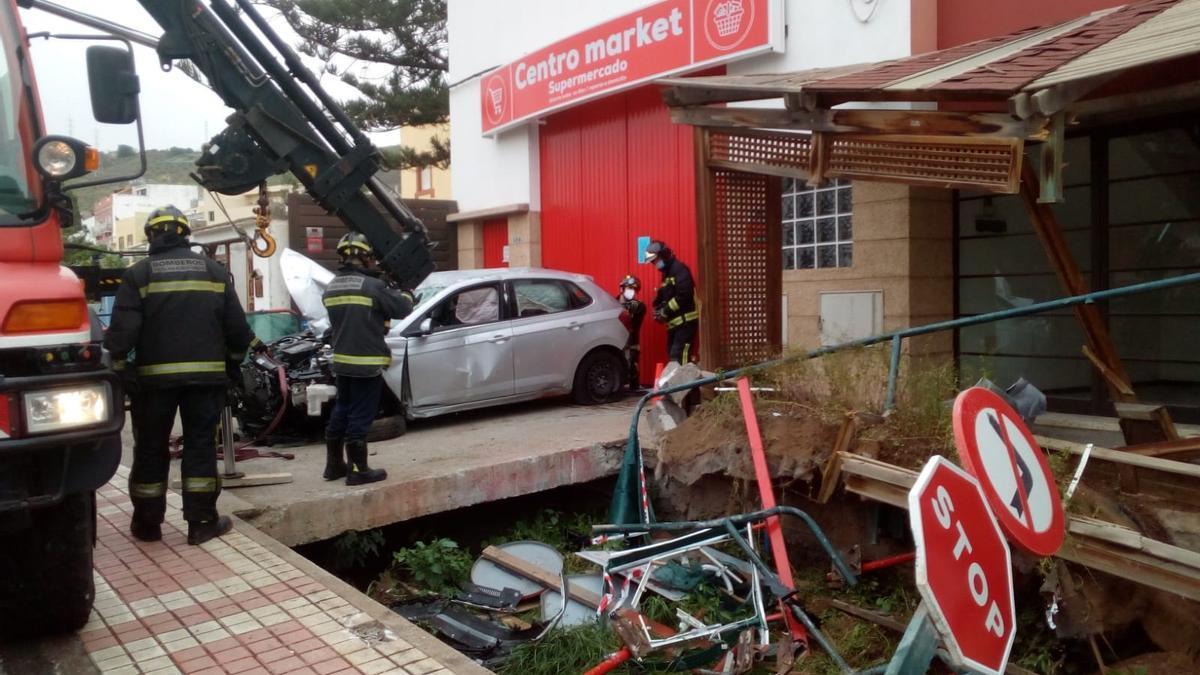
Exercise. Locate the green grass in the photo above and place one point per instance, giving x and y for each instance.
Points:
(567, 650)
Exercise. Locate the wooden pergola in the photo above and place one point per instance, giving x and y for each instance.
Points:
(959, 119)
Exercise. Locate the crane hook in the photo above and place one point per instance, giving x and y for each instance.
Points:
(262, 222)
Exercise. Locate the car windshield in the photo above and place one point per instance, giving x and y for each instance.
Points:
(17, 186)
(426, 291)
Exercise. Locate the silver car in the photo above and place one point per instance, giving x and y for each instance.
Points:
(486, 337)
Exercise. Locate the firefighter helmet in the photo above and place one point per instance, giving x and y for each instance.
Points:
(167, 220)
(631, 281)
(656, 250)
(353, 244)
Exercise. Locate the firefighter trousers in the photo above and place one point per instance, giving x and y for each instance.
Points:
(681, 342)
(355, 408)
(154, 410)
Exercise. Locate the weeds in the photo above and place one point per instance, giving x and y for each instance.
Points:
(1038, 649)
(921, 412)
(354, 548)
(569, 650)
(440, 566)
(566, 532)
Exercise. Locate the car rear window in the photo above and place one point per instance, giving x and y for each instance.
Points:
(540, 296)
(579, 297)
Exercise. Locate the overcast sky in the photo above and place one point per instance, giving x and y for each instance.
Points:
(176, 111)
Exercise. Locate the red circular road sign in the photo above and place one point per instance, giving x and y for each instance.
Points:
(964, 568)
(998, 449)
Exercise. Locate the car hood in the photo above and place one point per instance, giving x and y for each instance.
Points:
(306, 281)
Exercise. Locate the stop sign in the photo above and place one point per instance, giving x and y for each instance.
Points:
(964, 568)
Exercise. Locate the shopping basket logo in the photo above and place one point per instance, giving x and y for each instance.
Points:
(728, 23)
(728, 17)
(495, 98)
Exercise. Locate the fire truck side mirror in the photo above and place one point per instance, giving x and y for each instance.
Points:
(113, 84)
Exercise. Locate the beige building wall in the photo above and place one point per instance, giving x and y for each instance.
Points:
(128, 232)
(239, 207)
(419, 138)
(903, 247)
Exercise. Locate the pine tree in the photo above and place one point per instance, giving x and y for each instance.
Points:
(408, 36)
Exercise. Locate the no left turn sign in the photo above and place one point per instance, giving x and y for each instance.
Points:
(997, 448)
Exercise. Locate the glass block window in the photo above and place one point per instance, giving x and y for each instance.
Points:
(818, 228)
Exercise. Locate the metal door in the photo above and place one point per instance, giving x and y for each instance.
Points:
(468, 357)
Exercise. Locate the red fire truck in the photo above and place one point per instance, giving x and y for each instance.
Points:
(61, 408)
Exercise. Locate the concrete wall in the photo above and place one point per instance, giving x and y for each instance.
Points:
(903, 246)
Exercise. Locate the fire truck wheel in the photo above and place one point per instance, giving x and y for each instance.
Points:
(47, 584)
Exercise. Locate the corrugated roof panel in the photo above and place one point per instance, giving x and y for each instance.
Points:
(1172, 33)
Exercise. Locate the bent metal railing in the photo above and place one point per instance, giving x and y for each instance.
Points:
(631, 489)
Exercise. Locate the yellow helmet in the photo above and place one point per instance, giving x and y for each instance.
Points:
(354, 244)
(167, 219)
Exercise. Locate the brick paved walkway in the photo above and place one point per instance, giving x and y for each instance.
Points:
(228, 606)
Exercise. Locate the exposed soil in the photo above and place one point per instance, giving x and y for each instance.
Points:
(1158, 663)
(713, 441)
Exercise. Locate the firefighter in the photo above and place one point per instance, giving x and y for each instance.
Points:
(178, 316)
(360, 306)
(630, 286)
(675, 302)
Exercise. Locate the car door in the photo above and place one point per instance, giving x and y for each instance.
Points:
(468, 355)
(547, 330)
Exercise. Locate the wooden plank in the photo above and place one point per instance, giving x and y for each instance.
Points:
(1113, 380)
(1049, 232)
(876, 618)
(1123, 536)
(712, 306)
(1137, 411)
(1132, 565)
(832, 471)
(1126, 458)
(868, 467)
(864, 121)
(779, 170)
(1182, 449)
(877, 491)
(542, 576)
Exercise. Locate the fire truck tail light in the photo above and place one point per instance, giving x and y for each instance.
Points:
(45, 315)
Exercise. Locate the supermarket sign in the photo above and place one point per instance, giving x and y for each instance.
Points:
(665, 38)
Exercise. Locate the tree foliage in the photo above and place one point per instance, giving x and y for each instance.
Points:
(404, 41)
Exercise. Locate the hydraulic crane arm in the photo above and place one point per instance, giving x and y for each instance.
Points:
(277, 126)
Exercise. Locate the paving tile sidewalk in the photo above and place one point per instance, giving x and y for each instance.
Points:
(235, 605)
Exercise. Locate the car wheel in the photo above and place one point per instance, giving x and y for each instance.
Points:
(387, 428)
(47, 568)
(598, 378)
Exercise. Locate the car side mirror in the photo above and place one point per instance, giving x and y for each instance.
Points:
(420, 330)
(113, 84)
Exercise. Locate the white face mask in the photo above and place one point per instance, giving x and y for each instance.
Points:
(628, 293)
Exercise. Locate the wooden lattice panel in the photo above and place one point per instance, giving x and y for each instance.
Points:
(991, 164)
(769, 153)
(743, 259)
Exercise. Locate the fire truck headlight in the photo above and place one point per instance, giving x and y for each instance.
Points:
(57, 159)
(67, 408)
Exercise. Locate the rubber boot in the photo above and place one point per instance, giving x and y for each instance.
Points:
(145, 531)
(200, 532)
(360, 473)
(335, 462)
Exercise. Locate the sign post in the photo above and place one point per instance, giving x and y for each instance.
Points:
(964, 572)
(998, 449)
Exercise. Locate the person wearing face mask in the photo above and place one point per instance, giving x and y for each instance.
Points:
(630, 286)
(675, 302)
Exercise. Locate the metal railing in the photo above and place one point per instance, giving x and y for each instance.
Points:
(632, 461)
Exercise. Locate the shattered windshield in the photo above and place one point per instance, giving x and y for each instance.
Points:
(425, 292)
(17, 194)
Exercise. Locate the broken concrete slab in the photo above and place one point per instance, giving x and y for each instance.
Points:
(441, 465)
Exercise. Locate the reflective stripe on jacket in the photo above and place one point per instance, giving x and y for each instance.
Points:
(360, 307)
(177, 312)
(676, 297)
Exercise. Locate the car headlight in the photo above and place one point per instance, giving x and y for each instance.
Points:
(67, 408)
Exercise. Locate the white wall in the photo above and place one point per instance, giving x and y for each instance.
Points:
(484, 34)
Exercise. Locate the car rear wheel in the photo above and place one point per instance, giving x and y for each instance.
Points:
(47, 570)
(598, 378)
(387, 428)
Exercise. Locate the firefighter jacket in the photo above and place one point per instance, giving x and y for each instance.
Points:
(360, 307)
(178, 314)
(637, 314)
(675, 302)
